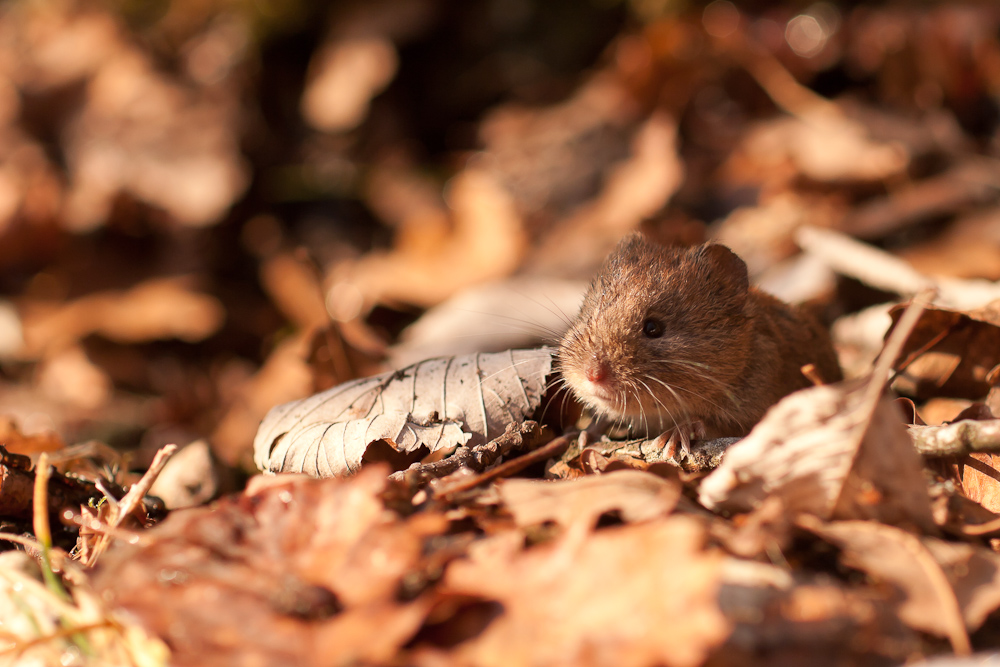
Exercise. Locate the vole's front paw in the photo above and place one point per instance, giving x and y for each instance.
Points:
(681, 435)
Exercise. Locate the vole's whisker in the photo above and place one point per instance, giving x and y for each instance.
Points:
(661, 403)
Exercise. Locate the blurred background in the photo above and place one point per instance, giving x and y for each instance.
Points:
(209, 207)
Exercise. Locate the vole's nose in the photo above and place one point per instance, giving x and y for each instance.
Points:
(597, 370)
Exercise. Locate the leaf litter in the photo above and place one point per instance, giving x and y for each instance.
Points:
(196, 226)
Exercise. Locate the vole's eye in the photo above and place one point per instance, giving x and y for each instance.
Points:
(652, 329)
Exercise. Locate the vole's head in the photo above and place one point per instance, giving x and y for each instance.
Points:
(661, 333)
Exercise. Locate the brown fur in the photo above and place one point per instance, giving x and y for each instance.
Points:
(727, 351)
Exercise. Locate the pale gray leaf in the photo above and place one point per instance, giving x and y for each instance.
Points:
(436, 404)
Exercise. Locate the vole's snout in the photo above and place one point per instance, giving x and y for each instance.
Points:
(597, 370)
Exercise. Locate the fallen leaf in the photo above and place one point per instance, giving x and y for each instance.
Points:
(345, 74)
(825, 147)
(634, 595)
(898, 557)
(16, 442)
(634, 190)
(312, 565)
(159, 308)
(826, 451)
(636, 495)
(512, 314)
(950, 352)
(434, 405)
(68, 376)
(479, 238)
(974, 572)
(283, 377)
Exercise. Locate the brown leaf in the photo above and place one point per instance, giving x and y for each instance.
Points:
(435, 405)
(952, 352)
(636, 495)
(826, 451)
(974, 573)
(799, 618)
(345, 74)
(283, 377)
(313, 566)
(159, 308)
(825, 145)
(478, 238)
(898, 557)
(294, 288)
(19, 443)
(634, 190)
(512, 314)
(69, 377)
(629, 596)
(983, 485)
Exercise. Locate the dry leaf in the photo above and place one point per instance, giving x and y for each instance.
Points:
(634, 190)
(68, 376)
(434, 405)
(157, 309)
(516, 313)
(345, 75)
(636, 495)
(980, 487)
(960, 188)
(763, 235)
(16, 442)
(886, 272)
(313, 566)
(189, 479)
(484, 241)
(974, 572)
(828, 452)
(283, 377)
(968, 248)
(627, 596)
(824, 147)
(952, 352)
(890, 554)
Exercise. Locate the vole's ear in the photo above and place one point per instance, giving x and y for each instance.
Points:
(727, 262)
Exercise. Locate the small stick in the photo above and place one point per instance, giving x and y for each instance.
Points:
(135, 494)
(514, 466)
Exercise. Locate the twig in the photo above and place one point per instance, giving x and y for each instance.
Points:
(958, 439)
(132, 499)
(553, 448)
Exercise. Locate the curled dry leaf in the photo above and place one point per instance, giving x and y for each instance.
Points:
(950, 352)
(629, 596)
(636, 495)
(829, 452)
(438, 404)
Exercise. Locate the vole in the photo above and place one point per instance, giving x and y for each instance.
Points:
(676, 340)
